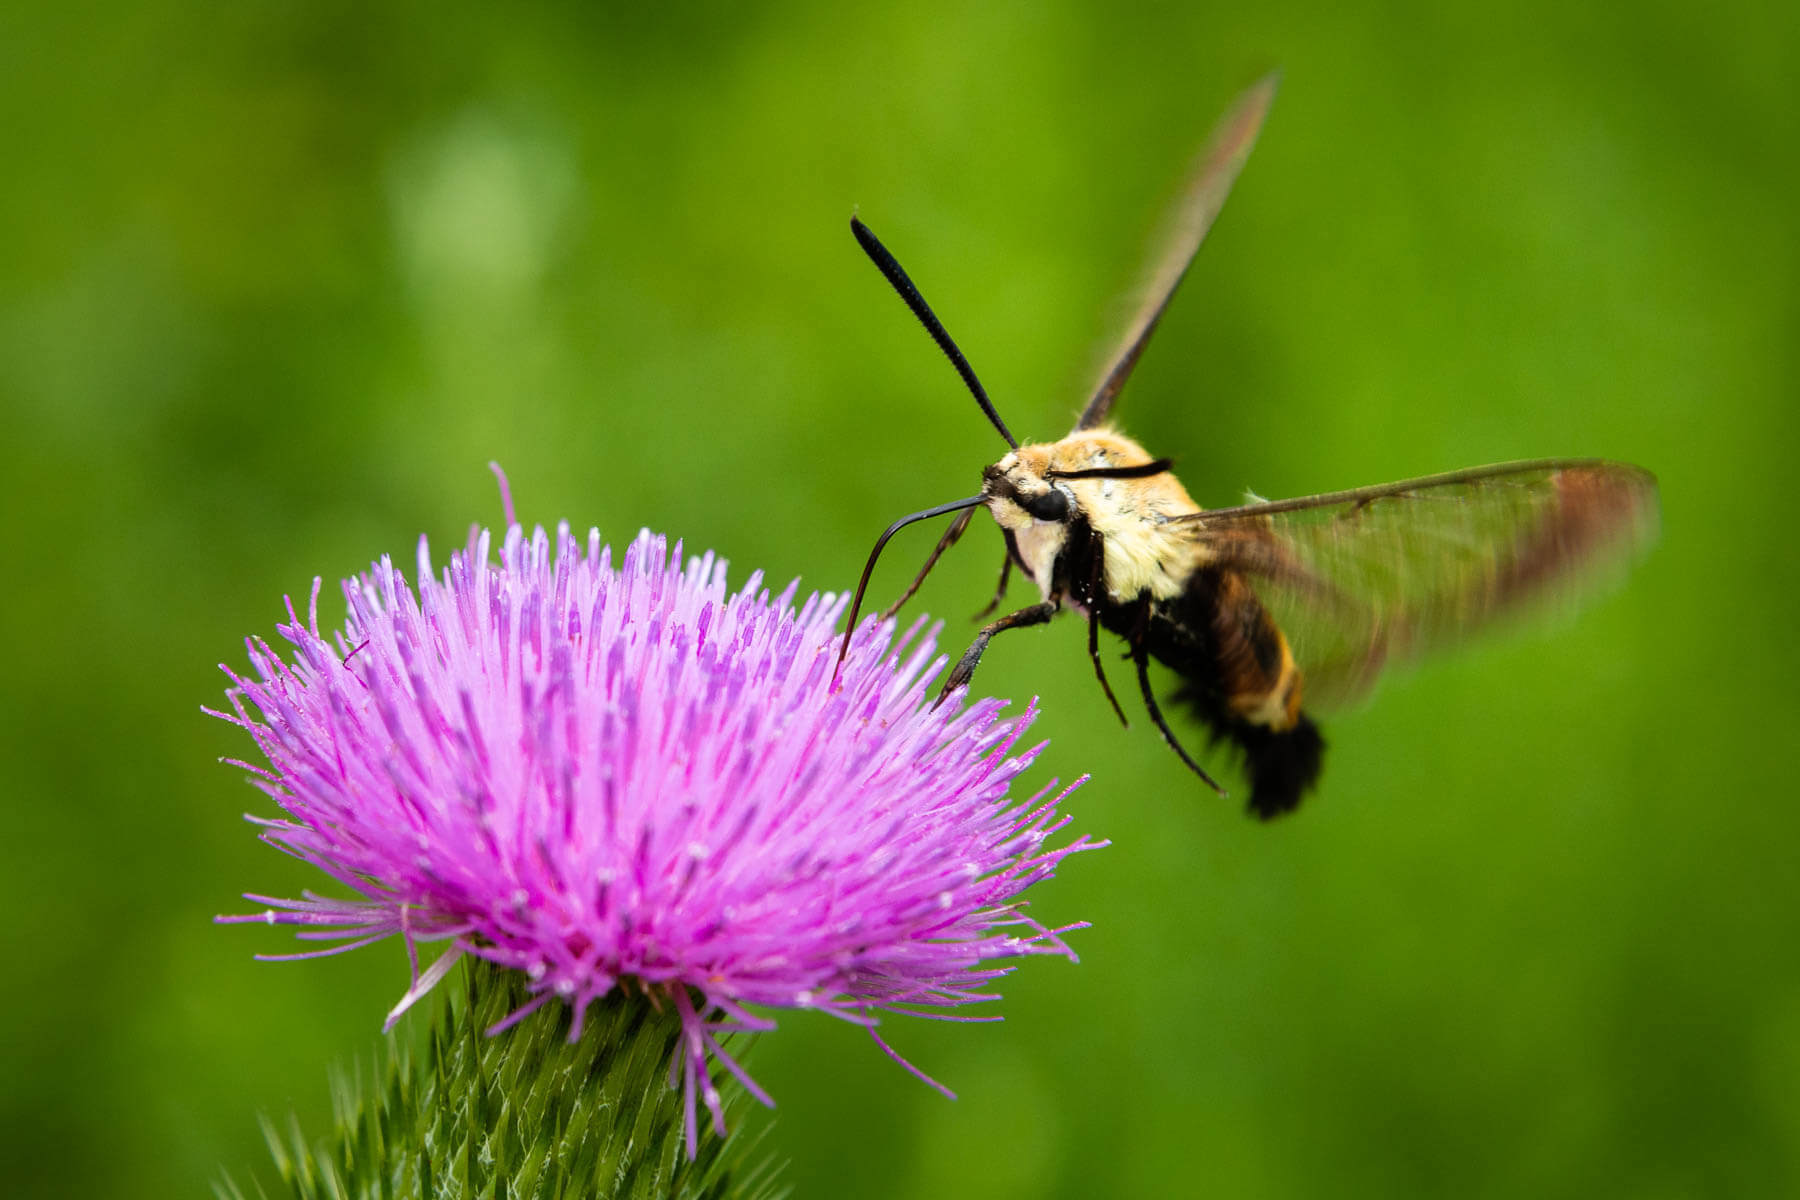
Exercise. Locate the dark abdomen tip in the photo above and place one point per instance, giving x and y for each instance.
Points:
(1283, 766)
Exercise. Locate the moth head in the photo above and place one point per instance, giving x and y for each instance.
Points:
(1019, 490)
(1087, 472)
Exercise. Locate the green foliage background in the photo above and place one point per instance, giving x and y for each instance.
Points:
(278, 279)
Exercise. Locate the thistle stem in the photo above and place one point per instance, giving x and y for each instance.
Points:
(526, 1113)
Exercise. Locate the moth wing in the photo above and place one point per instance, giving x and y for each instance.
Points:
(1362, 579)
(1217, 168)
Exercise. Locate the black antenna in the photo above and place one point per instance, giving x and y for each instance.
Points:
(897, 278)
(869, 567)
(1141, 471)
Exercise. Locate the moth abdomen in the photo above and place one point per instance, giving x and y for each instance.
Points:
(1283, 765)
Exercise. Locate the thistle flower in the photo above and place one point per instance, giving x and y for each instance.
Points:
(619, 776)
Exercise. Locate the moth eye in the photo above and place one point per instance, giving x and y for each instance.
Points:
(1049, 505)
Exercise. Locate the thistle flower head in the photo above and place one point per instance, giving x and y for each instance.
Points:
(614, 775)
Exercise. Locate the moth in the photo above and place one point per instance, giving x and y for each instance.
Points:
(1269, 611)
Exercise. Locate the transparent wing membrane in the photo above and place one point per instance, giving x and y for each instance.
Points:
(1364, 578)
(1213, 175)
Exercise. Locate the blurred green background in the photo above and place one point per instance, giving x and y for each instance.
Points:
(277, 280)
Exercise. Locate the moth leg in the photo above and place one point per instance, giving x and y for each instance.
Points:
(1093, 620)
(1142, 658)
(1037, 614)
(999, 592)
(944, 543)
(1099, 670)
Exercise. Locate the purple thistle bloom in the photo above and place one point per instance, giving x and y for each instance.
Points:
(597, 774)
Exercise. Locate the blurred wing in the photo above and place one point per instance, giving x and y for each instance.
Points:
(1215, 172)
(1360, 579)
